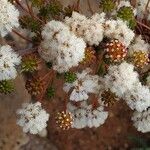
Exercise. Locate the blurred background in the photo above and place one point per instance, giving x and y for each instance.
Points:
(116, 134)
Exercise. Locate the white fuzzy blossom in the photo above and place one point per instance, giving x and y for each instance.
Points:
(61, 47)
(33, 118)
(142, 120)
(8, 60)
(99, 18)
(139, 45)
(86, 116)
(118, 29)
(141, 7)
(120, 78)
(9, 17)
(138, 98)
(82, 86)
(91, 30)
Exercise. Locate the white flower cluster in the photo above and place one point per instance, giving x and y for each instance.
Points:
(142, 120)
(86, 116)
(139, 45)
(82, 86)
(62, 47)
(138, 98)
(123, 81)
(33, 118)
(120, 78)
(141, 7)
(118, 29)
(8, 60)
(9, 17)
(91, 30)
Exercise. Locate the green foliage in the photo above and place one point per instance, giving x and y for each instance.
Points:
(126, 14)
(37, 3)
(50, 92)
(28, 22)
(107, 5)
(101, 69)
(29, 64)
(141, 143)
(54, 8)
(70, 77)
(6, 86)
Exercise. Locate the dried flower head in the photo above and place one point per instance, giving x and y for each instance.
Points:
(108, 98)
(89, 55)
(140, 59)
(35, 86)
(115, 51)
(64, 120)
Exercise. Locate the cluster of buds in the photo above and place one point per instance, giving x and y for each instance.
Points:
(108, 98)
(6, 86)
(107, 5)
(70, 77)
(140, 59)
(29, 64)
(35, 86)
(89, 55)
(115, 51)
(50, 92)
(64, 120)
(126, 14)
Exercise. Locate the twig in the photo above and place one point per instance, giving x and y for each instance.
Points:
(90, 7)
(23, 8)
(78, 5)
(22, 36)
(140, 23)
(146, 6)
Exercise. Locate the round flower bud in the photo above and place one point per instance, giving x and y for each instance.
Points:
(64, 120)
(115, 51)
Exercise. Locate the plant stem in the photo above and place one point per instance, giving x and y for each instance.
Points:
(23, 8)
(22, 36)
(140, 23)
(90, 7)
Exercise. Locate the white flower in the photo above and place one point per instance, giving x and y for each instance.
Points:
(120, 78)
(82, 86)
(139, 45)
(142, 120)
(141, 5)
(8, 60)
(75, 22)
(33, 118)
(61, 47)
(99, 18)
(118, 29)
(9, 16)
(91, 30)
(86, 116)
(138, 98)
